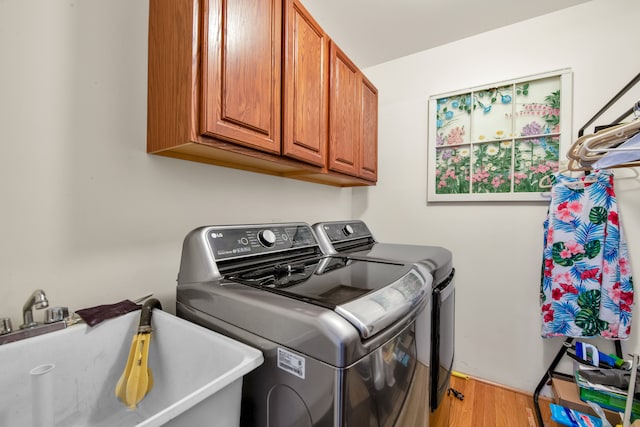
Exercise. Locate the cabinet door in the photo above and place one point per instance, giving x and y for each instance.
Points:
(369, 131)
(241, 55)
(305, 94)
(344, 114)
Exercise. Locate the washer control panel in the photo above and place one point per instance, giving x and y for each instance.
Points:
(232, 242)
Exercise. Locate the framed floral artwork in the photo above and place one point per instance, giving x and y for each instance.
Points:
(496, 142)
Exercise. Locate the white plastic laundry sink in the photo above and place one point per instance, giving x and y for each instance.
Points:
(197, 376)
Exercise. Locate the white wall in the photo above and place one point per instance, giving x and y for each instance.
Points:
(86, 214)
(497, 246)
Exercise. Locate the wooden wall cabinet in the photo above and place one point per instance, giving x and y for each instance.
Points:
(241, 63)
(246, 84)
(368, 130)
(305, 88)
(330, 110)
(353, 122)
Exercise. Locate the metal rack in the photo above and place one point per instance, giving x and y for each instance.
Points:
(569, 341)
(552, 367)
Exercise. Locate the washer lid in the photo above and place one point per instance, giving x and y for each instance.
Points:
(377, 310)
(370, 294)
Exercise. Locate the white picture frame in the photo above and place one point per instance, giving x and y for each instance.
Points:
(496, 142)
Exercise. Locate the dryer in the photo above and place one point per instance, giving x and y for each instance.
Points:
(435, 329)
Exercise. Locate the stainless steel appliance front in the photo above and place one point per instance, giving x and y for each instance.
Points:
(337, 334)
(435, 330)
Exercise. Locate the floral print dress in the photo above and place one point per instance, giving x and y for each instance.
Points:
(586, 287)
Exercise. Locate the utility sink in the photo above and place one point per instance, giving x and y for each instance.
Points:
(197, 376)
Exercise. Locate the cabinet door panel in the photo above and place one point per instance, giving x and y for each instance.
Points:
(369, 131)
(241, 72)
(305, 87)
(344, 114)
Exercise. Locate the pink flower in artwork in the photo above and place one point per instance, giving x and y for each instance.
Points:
(455, 136)
(565, 254)
(542, 168)
(495, 182)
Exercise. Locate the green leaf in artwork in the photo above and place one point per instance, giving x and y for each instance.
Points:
(598, 215)
(553, 100)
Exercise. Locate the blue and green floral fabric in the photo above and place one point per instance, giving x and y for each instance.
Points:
(586, 287)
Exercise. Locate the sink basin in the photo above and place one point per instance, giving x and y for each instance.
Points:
(197, 375)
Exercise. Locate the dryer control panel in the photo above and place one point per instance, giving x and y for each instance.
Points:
(345, 230)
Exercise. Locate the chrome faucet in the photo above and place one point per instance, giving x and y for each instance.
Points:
(38, 300)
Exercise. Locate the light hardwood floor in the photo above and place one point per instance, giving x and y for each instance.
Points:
(484, 405)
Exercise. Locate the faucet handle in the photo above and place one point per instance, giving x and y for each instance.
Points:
(5, 326)
(55, 314)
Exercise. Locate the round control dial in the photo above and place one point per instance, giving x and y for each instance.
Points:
(267, 238)
(347, 230)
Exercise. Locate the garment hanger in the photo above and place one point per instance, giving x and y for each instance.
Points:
(592, 147)
(574, 166)
(588, 149)
(627, 154)
(545, 181)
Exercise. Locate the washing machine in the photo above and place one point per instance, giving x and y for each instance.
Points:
(337, 333)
